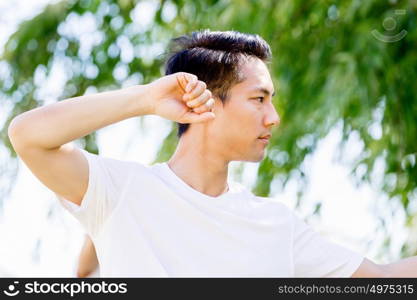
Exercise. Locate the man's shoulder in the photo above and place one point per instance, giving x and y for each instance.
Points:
(115, 166)
(272, 202)
(113, 161)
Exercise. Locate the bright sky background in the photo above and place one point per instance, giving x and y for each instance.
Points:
(348, 212)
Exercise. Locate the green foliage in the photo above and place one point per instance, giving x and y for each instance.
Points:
(328, 70)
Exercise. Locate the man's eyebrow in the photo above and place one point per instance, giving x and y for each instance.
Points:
(264, 91)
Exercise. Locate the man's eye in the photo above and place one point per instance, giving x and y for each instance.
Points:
(261, 99)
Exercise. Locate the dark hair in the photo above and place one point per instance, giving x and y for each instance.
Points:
(214, 57)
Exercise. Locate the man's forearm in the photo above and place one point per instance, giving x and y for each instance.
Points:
(406, 267)
(56, 124)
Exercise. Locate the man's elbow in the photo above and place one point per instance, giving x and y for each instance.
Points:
(20, 134)
(14, 133)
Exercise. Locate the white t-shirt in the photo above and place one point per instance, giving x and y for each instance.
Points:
(145, 221)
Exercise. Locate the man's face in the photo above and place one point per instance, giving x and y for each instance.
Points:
(247, 115)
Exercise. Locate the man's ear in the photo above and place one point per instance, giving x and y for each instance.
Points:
(218, 104)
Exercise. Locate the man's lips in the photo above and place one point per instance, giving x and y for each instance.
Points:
(267, 136)
(265, 139)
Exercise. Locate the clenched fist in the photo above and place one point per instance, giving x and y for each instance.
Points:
(182, 98)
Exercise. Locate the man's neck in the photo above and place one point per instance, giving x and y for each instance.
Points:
(200, 170)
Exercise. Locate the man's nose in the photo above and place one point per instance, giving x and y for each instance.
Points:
(272, 118)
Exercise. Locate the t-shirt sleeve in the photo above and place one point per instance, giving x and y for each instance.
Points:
(106, 181)
(314, 256)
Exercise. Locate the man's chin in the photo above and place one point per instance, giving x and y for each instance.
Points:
(255, 159)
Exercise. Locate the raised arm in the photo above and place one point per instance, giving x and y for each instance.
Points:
(41, 136)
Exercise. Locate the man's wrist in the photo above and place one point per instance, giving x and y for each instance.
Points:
(141, 100)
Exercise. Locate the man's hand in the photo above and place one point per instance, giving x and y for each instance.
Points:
(182, 98)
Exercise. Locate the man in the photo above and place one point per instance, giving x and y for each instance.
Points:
(184, 217)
